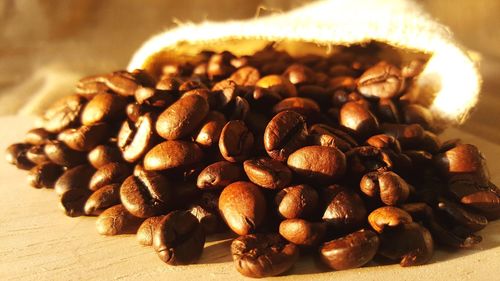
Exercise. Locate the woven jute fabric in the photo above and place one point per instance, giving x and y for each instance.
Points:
(449, 85)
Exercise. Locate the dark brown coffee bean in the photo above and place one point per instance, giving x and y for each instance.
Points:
(417, 114)
(170, 84)
(267, 173)
(182, 117)
(463, 158)
(238, 109)
(122, 83)
(223, 93)
(104, 154)
(453, 211)
(63, 114)
(154, 97)
(179, 238)
(301, 232)
(342, 83)
(407, 135)
(84, 138)
(387, 111)
(304, 106)
(73, 200)
(135, 139)
(74, 178)
(285, 133)
(147, 229)
(391, 188)
(245, 76)
(44, 175)
(219, 66)
(60, 154)
(107, 196)
(36, 154)
(325, 135)
(299, 74)
(236, 141)
(175, 70)
(358, 119)
(299, 201)
(318, 163)
(146, 193)
(263, 255)
(134, 111)
(412, 244)
(103, 107)
(117, 220)
(278, 84)
(388, 217)
(210, 130)
(345, 211)
(383, 141)
(208, 219)
(242, 206)
(15, 154)
(381, 81)
(351, 251)
(171, 155)
(91, 88)
(108, 174)
(219, 175)
(38, 136)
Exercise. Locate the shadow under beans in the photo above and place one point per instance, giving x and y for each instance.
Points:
(217, 250)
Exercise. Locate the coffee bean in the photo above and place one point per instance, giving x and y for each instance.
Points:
(278, 84)
(36, 154)
(245, 76)
(407, 135)
(242, 206)
(85, 138)
(135, 139)
(463, 158)
(381, 81)
(267, 173)
(358, 119)
(122, 82)
(342, 83)
(154, 97)
(44, 175)
(345, 211)
(219, 175)
(351, 251)
(318, 163)
(453, 211)
(179, 238)
(391, 188)
(146, 193)
(417, 114)
(104, 154)
(383, 141)
(108, 174)
(60, 154)
(147, 229)
(387, 111)
(236, 141)
(63, 114)
(303, 106)
(103, 198)
(134, 111)
(299, 201)
(223, 93)
(103, 107)
(117, 220)
(316, 93)
(210, 130)
(74, 178)
(182, 117)
(301, 232)
(299, 74)
(91, 88)
(238, 109)
(208, 219)
(285, 133)
(73, 200)
(325, 135)
(38, 136)
(388, 217)
(263, 255)
(15, 154)
(219, 66)
(172, 154)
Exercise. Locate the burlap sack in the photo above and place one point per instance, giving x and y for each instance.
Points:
(449, 85)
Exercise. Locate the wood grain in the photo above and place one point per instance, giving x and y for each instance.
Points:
(37, 242)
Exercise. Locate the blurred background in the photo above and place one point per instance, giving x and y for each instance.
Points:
(48, 44)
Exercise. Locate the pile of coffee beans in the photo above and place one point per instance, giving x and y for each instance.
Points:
(323, 156)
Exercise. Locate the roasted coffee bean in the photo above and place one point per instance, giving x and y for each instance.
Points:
(223, 93)
(104, 154)
(146, 193)
(147, 229)
(412, 244)
(72, 201)
(383, 141)
(351, 251)
(84, 138)
(107, 196)
(179, 238)
(278, 84)
(383, 80)
(245, 76)
(154, 97)
(219, 66)
(285, 133)
(172, 154)
(358, 119)
(36, 154)
(267, 173)
(388, 217)
(60, 154)
(301, 232)
(299, 201)
(304, 106)
(387, 111)
(238, 109)
(263, 255)
(453, 238)
(463, 158)
(299, 74)
(210, 130)
(103, 107)
(74, 178)
(117, 220)
(407, 135)
(192, 85)
(208, 218)
(345, 211)
(391, 188)
(91, 88)
(44, 175)
(320, 164)
(459, 215)
(219, 175)
(15, 154)
(122, 82)
(364, 159)
(325, 135)
(417, 114)
(316, 93)
(135, 139)
(236, 141)
(182, 117)
(63, 114)
(38, 136)
(243, 207)
(110, 173)
(134, 111)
